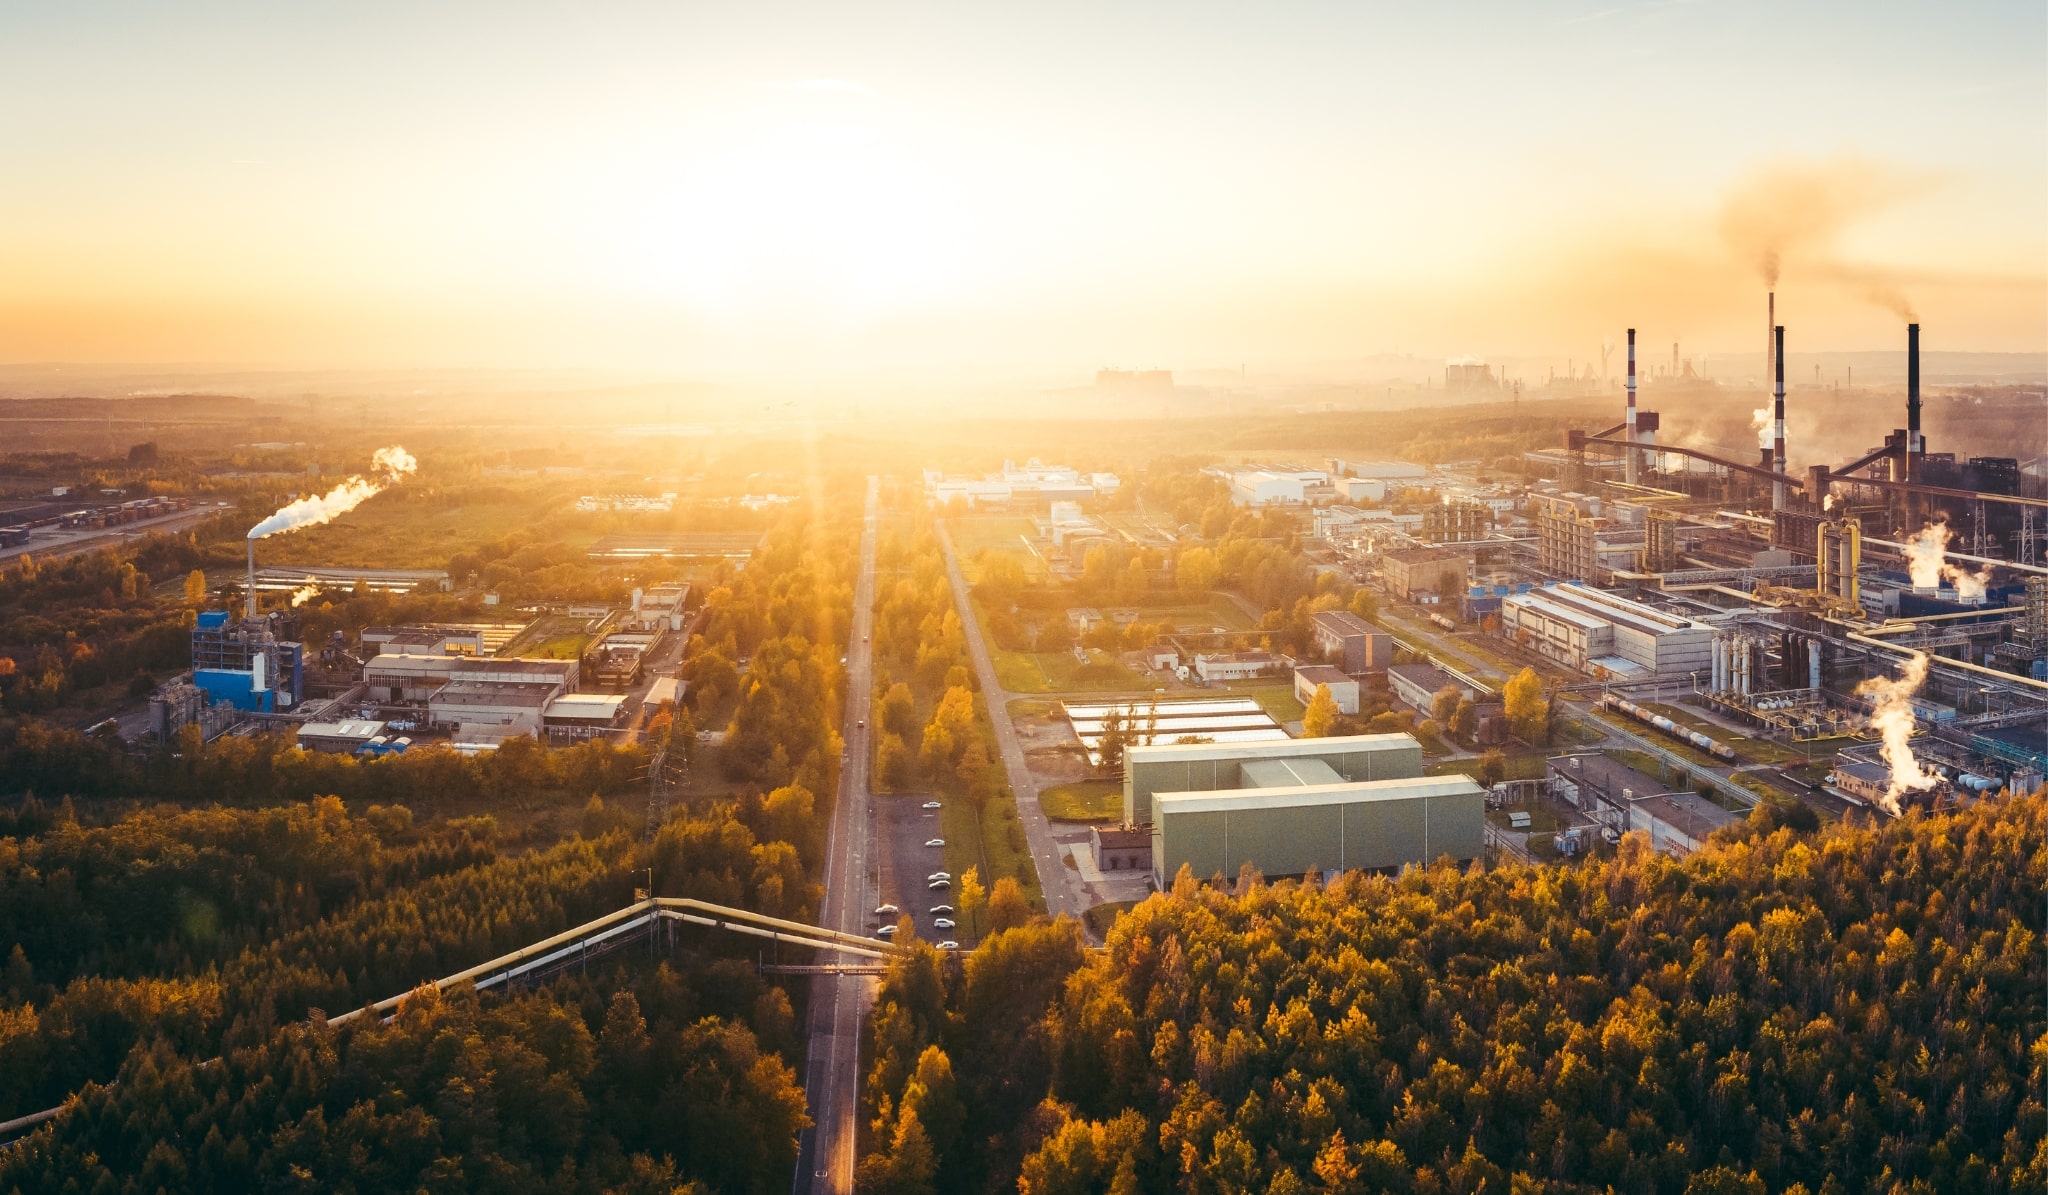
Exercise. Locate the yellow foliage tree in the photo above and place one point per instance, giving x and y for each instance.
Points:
(1321, 717)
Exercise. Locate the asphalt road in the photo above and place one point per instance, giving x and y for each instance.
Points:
(1064, 892)
(46, 544)
(839, 1003)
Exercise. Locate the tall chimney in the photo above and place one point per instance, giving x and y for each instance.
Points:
(1770, 322)
(252, 579)
(1914, 446)
(1778, 435)
(1628, 455)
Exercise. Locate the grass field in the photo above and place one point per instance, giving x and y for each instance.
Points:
(1083, 801)
(1059, 672)
(552, 637)
(973, 534)
(1276, 698)
(391, 531)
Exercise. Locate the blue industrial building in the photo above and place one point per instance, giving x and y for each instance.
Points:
(254, 665)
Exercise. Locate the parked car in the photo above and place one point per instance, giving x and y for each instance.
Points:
(949, 944)
(887, 931)
(942, 910)
(939, 885)
(940, 875)
(942, 923)
(886, 910)
(935, 842)
(931, 804)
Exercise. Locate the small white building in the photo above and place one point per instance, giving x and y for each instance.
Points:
(1343, 689)
(345, 737)
(1238, 665)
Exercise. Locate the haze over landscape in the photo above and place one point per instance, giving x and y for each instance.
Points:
(883, 598)
(916, 192)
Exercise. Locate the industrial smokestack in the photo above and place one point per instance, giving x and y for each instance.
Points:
(1914, 447)
(252, 579)
(1778, 405)
(1770, 322)
(1629, 454)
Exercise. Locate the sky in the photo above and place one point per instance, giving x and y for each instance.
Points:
(799, 190)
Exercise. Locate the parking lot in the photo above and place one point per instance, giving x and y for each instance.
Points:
(903, 861)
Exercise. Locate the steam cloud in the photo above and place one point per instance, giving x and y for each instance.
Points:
(1761, 420)
(389, 466)
(1892, 718)
(304, 594)
(1926, 559)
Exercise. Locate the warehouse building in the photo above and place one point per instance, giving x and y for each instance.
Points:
(415, 679)
(1350, 642)
(1343, 689)
(573, 717)
(1201, 767)
(1416, 685)
(425, 641)
(1300, 816)
(1237, 665)
(1603, 634)
(483, 711)
(1213, 720)
(345, 738)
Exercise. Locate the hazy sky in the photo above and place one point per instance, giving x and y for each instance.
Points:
(802, 188)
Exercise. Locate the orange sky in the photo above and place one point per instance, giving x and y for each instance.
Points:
(778, 190)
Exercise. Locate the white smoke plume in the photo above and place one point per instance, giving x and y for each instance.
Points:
(1928, 562)
(1827, 502)
(1761, 420)
(1892, 718)
(1923, 551)
(305, 593)
(389, 466)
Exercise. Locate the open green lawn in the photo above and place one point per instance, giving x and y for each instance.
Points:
(972, 534)
(1276, 698)
(552, 637)
(1059, 672)
(1083, 801)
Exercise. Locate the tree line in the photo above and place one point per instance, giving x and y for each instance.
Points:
(1856, 1008)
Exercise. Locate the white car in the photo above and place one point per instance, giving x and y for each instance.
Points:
(931, 804)
(887, 911)
(949, 944)
(939, 885)
(942, 923)
(887, 931)
(940, 875)
(942, 910)
(935, 842)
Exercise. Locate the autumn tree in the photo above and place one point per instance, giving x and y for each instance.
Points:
(1008, 907)
(1321, 715)
(1196, 572)
(195, 588)
(1527, 712)
(972, 897)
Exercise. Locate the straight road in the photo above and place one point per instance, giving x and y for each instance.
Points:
(839, 1003)
(1063, 888)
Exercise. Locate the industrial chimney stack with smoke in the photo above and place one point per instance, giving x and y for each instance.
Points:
(1629, 453)
(1914, 445)
(1778, 433)
(252, 580)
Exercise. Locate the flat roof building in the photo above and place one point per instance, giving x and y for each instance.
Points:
(1198, 767)
(1416, 570)
(1301, 821)
(1343, 689)
(410, 678)
(575, 716)
(1350, 642)
(346, 737)
(1587, 629)
(492, 711)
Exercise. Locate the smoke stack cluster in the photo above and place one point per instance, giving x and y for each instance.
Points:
(1778, 415)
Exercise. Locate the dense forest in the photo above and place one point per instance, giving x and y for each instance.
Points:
(1855, 1008)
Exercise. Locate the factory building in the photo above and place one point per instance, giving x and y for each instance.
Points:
(1416, 570)
(490, 711)
(425, 641)
(1416, 685)
(1199, 767)
(1379, 470)
(1567, 543)
(1343, 689)
(254, 665)
(1350, 642)
(1602, 634)
(1624, 799)
(1295, 814)
(415, 679)
(345, 737)
(573, 717)
(1274, 487)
